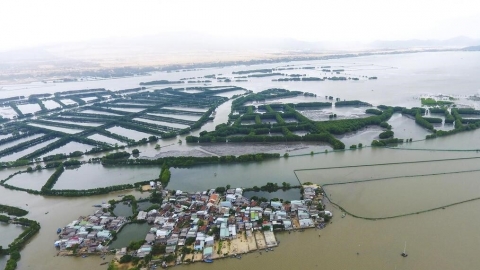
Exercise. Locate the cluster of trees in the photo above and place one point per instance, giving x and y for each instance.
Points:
(386, 134)
(373, 111)
(165, 175)
(386, 142)
(343, 126)
(12, 210)
(53, 179)
(432, 102)
(161, 82)
(25, 145)
(423, 122)
(117, 155)
(62, 156)
(14, 248)
(351, 103)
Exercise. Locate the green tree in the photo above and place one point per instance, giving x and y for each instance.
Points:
(135, 152)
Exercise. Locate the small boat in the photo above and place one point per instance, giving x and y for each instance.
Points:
(343, 215)
(404, 253)
(208, 260)
(46, 213)
(238, 257)
(84, 256)
(59, 230)
(97, 205)
(103, 263)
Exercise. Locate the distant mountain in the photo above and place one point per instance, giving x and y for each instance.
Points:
(472, 48)
(457, 42)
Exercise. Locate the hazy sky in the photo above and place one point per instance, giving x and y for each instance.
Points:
(37, 22)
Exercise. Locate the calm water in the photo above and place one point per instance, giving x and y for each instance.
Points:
(443, 239)
(132, 134)
(122, 210)
(96, 175)
(69, 148)
(61, 129)
(17, 155)
(22, 140)
(31, 180)
(129, 233)
(8, 233)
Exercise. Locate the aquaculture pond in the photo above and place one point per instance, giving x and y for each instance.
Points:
(178, 116)
(143, 206)
(17, 155)
(123, 209)
(323, 114)
(100, 112)
(86, 124)
(102, 138)
(162, 123)
(50, 104)
(29, 108)
(129, 233)
(61, 129)
(132, 110)
(8, 233)
(130, 133)
(404, 127)
(69, 148)
(96, 175)
(68, 101)
(22, 140)
(31, 180)
(190, 109)
(7, 112)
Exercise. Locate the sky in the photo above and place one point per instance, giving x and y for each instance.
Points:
(27, 23)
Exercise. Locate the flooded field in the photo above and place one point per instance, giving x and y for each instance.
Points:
(22, 140)
(29, 108)
(17, 155)
(61, 129)
(178, 116)
(405, 127)
(386, 198)
(99, 112)
(161, 123)
(69, 148)
(132, 110)
(68, 101)
(102, 138)
(86, 124)
(50, 104)
(341, 112)
(96, 175)
(31, 180)
(132, 134)
(7, 112)
(8, 233)
(189, 109)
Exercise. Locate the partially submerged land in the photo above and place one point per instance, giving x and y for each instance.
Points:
(187, 227)
(99, 128)
(14, 215)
